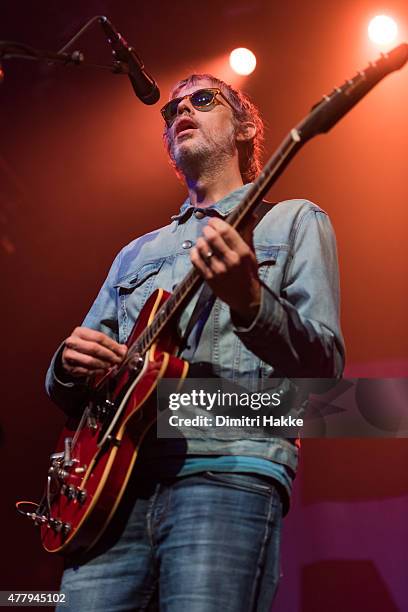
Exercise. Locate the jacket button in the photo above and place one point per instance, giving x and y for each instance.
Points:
(199, 214)
(187, 244)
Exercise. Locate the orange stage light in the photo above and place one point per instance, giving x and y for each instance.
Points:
(242, 61)
(382, 30)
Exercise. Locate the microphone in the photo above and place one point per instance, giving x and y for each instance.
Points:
(143, 84)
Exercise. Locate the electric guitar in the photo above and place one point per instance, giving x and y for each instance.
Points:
(96, 454)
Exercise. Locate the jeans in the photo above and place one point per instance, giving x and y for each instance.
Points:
(203, 543)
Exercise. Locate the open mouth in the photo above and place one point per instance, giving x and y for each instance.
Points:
(184, 126)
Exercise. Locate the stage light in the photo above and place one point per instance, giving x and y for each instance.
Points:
(382, 30)
(242, 61)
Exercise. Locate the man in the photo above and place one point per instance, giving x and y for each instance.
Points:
(203, 530)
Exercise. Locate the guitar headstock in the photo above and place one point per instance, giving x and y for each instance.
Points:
(332, 107)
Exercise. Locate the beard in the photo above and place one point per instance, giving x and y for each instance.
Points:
(196, 156)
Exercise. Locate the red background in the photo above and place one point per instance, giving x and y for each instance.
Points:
(83, 171)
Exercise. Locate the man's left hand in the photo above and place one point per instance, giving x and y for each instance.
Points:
(229, 266)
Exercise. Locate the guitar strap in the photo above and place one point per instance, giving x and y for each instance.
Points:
(206, 297)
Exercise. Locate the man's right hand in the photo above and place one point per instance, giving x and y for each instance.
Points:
(88, 352)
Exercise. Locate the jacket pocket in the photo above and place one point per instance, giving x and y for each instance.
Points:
(133, 290)
(139, 276)
(272, 261)
(267, 257)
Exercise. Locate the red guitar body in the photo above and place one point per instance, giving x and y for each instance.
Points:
(96, 454)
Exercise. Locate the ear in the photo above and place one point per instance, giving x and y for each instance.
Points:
(246, 131)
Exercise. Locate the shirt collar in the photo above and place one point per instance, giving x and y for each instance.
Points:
(223, 207)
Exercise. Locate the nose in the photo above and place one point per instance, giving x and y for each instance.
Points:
(185, 105)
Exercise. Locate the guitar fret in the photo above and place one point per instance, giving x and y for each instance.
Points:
(148, 335)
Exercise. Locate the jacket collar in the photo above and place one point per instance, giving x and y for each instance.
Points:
(222, 208)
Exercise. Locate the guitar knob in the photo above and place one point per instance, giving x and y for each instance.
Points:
(70, 492)
(55, 524)
(66, 528)
(81, 495)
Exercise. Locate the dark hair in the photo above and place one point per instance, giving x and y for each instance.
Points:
(249, 151)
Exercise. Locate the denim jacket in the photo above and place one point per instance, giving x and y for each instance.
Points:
(296, 332)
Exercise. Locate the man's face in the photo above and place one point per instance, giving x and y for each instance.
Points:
(201, 136)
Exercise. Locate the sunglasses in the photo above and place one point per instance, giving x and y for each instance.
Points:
(202, 100)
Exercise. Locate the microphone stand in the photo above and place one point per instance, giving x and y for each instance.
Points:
(11, 50)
